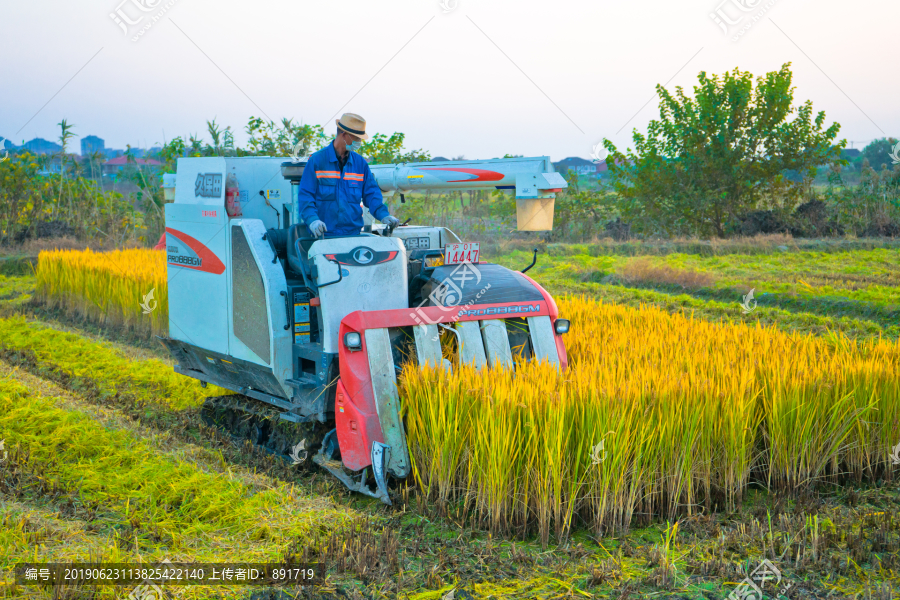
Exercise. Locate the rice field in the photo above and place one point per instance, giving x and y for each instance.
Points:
(675, 453)
(122, 288)
(658, 415)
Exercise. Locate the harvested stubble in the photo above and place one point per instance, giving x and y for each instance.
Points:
(68, 356)
(657, 415)
(107, 287)
(186, 508)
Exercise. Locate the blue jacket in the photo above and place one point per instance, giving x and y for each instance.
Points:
(333, 196)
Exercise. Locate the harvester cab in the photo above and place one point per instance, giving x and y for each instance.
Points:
(310, 334)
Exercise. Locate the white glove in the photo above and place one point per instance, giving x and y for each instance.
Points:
(317, 228)
(391, 223)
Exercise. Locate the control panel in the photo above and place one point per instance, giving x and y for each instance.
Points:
(419, 238)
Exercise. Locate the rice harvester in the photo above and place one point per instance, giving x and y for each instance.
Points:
(310, 334)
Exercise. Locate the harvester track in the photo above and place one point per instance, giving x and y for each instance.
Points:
(245, 419)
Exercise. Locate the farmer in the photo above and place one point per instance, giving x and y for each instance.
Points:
(334, 182)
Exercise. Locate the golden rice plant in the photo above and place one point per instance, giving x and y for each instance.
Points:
(123, 287)
(657, 415)
(442, 465)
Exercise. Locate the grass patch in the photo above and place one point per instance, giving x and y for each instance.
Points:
(855, 293)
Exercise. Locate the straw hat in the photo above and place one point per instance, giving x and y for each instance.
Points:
(353, 124)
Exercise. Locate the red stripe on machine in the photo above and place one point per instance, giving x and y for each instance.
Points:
(209, 262)
(402, 317)
(480, 174)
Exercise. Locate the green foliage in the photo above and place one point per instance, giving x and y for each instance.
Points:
(580, 214)
(870, 208)
(384, 150)
(170, 154)
(151, 382)
(713, 157)
(878, 152)
(267, 139)
(57, 194)
(29, 197)
(65, 135)
(467, 212)
(132, 479)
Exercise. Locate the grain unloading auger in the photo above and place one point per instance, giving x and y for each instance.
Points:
(310, 334)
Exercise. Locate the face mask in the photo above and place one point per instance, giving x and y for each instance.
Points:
(355, 146)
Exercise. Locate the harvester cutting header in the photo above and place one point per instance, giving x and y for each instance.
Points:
(309, 326)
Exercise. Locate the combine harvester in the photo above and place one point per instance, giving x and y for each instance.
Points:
(311, 334)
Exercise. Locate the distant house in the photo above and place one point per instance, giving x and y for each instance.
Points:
(114, 165)
(41, 146)
(579, 165)
(91, 144)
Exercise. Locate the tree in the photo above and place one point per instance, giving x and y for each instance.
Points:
(878, 153)
(269, 139)
(720, 154)
(65, 135)
(384, 150)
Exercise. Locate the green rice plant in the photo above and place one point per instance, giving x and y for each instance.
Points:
(802, 436)
(872, 384)
(611, 434)
(732, 427)
(15, 291)
(555, 467)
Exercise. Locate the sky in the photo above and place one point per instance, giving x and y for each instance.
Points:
(469, 78)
